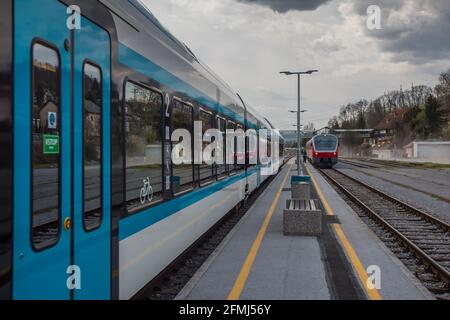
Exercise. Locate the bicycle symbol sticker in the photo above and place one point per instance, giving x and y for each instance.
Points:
(146, 191)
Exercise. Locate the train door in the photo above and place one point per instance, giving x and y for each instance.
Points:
(61, 239)
(92, 161)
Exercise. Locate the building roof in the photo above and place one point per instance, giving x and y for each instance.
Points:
(49, 104)
(91, 107)
(409, 145)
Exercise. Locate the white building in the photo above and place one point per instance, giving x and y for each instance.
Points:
(436, 151)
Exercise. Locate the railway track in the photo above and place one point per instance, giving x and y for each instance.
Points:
(358, 164)
(420, 241)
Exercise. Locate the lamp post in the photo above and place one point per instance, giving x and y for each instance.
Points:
(295, 111)
(301, 132)
(299, 112)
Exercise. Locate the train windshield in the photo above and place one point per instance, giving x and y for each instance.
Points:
(325, 143)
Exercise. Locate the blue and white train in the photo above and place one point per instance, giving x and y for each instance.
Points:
(91, 206)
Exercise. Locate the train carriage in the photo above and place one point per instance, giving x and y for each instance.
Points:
(323, 150)
(91, 205)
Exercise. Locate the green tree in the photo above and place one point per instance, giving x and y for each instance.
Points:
(443, 94)
(418, 124)
(433, 116)
(410, 115)
(428, 122)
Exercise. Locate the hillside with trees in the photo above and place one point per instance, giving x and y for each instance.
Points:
(417, 113)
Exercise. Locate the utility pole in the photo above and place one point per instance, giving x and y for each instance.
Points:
(299, 111)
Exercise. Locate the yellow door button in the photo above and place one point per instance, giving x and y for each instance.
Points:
(67, 224)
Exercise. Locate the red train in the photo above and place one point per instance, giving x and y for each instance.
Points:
(323, 150)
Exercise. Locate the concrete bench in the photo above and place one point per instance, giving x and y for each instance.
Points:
(302, 218)
(301, 187)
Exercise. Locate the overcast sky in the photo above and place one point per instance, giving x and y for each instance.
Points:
(247, 42)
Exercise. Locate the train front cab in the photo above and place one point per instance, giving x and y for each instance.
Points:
(326, 156)
(61, 130)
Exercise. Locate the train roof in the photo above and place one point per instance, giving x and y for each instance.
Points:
(141, 31)
(323, 135)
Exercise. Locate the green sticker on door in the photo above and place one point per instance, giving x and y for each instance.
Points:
(51, 144)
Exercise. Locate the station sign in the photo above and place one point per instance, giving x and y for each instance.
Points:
(51, 144)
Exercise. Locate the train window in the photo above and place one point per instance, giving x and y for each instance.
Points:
(183, 174)
(222, 168)
(92, 147)
(232, 153)
(258, 146)
(46, 147)
(206, 171)
(325, 143)
(252, 148)
(143, 138)
(240, 147)
(281, 146)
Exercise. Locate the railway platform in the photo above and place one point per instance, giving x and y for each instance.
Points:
(257, 262)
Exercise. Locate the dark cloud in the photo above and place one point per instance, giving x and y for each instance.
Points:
(283, 6)
(417, 31)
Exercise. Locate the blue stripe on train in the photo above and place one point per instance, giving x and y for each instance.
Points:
(136, 61)
(133, 224)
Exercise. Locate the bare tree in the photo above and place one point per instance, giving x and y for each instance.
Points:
(334, 123)
(442, 91)
(309, 127)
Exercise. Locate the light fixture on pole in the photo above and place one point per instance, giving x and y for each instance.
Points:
(299, 112)
(295, 111)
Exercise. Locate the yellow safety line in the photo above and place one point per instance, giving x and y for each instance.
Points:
(373, 294)
(239, 284)
(360, 270)
(328, 209)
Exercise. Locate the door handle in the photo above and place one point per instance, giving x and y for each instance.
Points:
(67, 224)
